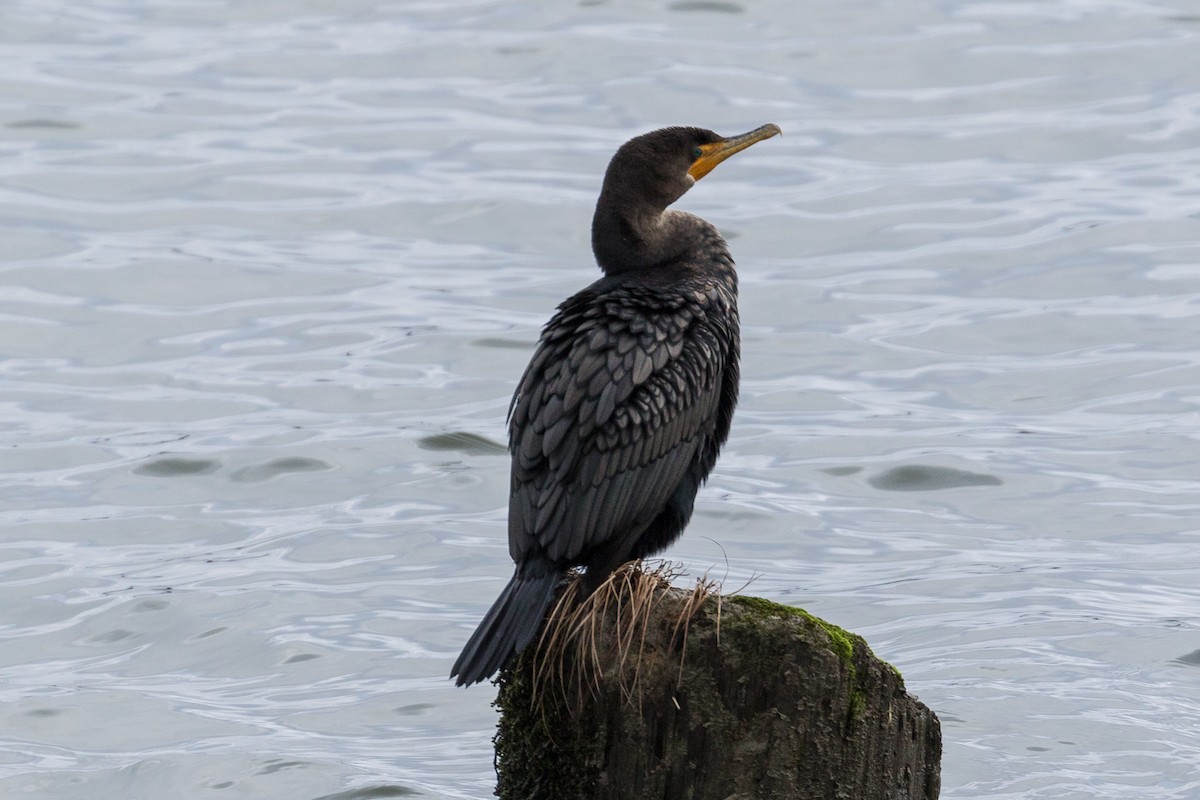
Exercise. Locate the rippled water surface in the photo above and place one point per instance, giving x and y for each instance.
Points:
(271, 269)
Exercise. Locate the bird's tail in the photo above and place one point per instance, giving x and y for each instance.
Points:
(507, 629)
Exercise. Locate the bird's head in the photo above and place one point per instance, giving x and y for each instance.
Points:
(656, 168)
(647, 174)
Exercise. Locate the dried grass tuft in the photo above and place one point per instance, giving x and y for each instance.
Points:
(609, 634)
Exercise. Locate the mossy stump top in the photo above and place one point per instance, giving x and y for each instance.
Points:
(646, 691)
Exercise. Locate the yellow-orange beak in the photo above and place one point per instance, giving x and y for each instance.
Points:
(715, 153)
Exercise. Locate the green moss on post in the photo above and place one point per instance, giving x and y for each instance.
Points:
(757, 701)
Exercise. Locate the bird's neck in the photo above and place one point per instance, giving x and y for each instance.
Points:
(631, 239)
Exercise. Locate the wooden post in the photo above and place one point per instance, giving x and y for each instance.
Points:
(646, 691)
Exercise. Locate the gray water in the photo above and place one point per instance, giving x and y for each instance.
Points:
(271, 269)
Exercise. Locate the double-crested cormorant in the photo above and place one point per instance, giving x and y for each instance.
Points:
(622, 411)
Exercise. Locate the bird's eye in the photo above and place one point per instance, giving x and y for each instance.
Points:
(696, 153)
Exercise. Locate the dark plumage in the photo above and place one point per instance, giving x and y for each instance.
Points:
(629, 396)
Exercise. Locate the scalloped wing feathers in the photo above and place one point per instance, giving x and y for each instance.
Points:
(618, 402)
